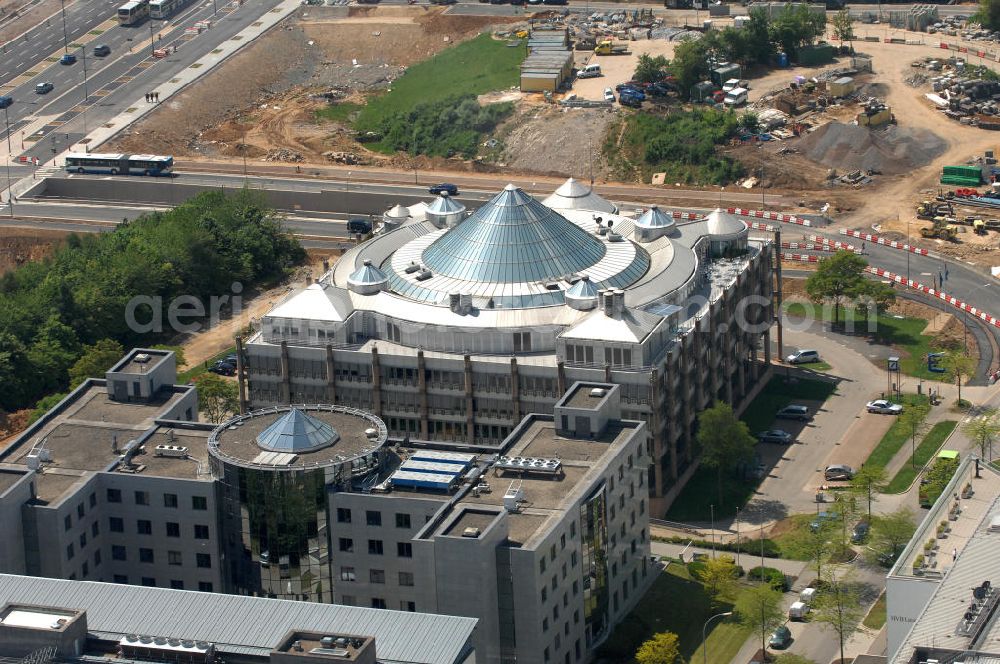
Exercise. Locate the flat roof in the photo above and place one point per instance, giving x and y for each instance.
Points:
(581, 397)
(129, 363)
(237, 439)
(10, 477)
(241, 625)
(470, 518)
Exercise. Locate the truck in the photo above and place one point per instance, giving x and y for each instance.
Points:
(608, 47)
(736, 97)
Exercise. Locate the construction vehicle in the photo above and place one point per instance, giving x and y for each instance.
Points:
(930, 209)
(608, 47)
(979, 227)
(941, 229)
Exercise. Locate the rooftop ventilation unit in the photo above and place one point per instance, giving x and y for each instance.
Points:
(529, 464)
(424, 275)
(598, 392)
(142, 358)
(327, 641)
(371, 433)
(411, 268)
(513, 496)
(175, 451)
(470, 532)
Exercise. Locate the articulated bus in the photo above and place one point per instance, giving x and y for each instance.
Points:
(119, 164)
(161, 9)
(133, 12)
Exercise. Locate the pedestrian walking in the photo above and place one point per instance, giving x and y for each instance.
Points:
(147, 97)
(157, 97)
(954, 555)
(862, 247)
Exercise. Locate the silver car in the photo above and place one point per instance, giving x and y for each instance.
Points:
(884, 407)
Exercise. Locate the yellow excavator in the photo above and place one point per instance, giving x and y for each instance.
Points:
(930, 209)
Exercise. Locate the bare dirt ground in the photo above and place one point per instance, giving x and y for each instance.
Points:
(262, 103)
(18, 246)
(549, 140)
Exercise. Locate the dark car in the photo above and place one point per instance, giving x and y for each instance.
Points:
(5, 102)
(231, 359)
(860, 532)
(359, 225)
(775, 436)
(223, 368)
(444, 188)
(67, 59)
(793, 412)
(780, 639)
(102, 50)
(630, 100)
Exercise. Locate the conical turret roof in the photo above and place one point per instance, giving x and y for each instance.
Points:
(654, 217)
(513, 238)
(445, 204)
(575, 195)
(724, 224)
(367, 275)
(296, 432)
(397, 212)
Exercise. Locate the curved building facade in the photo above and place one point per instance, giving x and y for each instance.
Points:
(276, 468)
(482, 321)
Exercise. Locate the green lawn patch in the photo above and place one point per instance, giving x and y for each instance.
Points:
(876, 615)
(473, 67)
(819, 365)
(339, 112)
(785, 539)
(659, 610)
(780, 392)
(927, 448)
(897, 434)
(184, 377)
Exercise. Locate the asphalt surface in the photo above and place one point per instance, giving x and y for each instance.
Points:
(94, 90)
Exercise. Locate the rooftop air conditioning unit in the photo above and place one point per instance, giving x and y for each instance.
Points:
(371, 433)
(176, 451)
(327, 641)
(142, 358)
(598, 392)
(424, 275)
(411, 268)
(470, 532)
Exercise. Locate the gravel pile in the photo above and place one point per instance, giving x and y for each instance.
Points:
(890, 151)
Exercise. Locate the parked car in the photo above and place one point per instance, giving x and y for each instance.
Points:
(359, 225)
(67, 59)
(860, 532)
(223, 368)
(631, 100)
(803, 357)
(44, 88)
(592, 70)
(884, 407)
(444, 188)
(820, 519)
(838, 471)
(102, 50)
(780, 639)
(609, 95)
(775, 436)
(793, 412)
(5, 102)
(798, 611)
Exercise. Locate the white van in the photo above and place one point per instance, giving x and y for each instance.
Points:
(731, 85)
(803, 357)
(736, 97)
(798, 611)
(590, 71)
(807, 595)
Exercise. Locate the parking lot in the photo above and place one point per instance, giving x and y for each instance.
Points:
(616, 68)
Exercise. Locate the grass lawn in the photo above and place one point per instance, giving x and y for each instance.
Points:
(925, 450)
(190, 374)
(897, 434)
(819, 365)
(339, 112)
(701, 490)
(903, 334)
(876, 615)
(473, 67)
(785, 535)
(660, 610)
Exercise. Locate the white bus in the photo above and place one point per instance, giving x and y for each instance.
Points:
(161, 9)
(133, 12)
(119, 164)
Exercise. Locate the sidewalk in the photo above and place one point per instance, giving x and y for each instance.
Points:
(792, 568)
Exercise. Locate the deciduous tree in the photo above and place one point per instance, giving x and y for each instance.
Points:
(835, 279)
(889, 535)
(838, 606)
(719, 577)
(217, 396)
(983, 429)
(959, 367)
(843, 26)
(868, 481)
(650, 69)
(725, 441)
(759, 608)
(95, 361)
(663, 648)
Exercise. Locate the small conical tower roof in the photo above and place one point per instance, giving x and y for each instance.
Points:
(296, 432)
(654, 217)
(575, 195)
(722, 224)
(367, 279)
(582, 295)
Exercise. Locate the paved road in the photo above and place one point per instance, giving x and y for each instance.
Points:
(113, 83)
(25, 51)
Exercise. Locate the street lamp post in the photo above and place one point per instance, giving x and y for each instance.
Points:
(704, 629)
(965, 319)
(152, 44)
(65, 34)
(6, 121)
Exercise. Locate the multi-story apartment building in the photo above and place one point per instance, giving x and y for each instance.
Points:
(451, 328)
(543, 539)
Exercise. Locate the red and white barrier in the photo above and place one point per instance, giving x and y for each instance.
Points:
(758, 226)
(875, 239)
(944, 297)
(833, 244)
(686, 216)
(772, 216)
(807, 246)
(800, 258)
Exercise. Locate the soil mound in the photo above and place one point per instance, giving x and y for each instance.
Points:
(891, 151)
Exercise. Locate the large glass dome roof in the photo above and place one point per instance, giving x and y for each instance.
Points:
(296, 432)
(513, 238)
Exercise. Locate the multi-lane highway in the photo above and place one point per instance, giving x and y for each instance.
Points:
(94, 90)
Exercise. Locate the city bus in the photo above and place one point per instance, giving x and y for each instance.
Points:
(161, 9)
(133, 12)
(119, 164)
